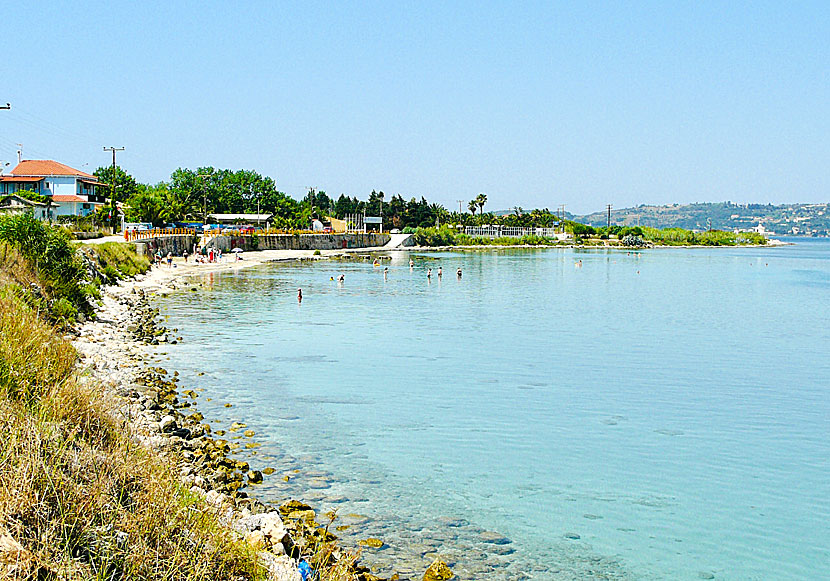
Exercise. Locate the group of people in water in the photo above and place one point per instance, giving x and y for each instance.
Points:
(341, 278)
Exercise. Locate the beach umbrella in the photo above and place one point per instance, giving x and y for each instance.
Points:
(237, 249)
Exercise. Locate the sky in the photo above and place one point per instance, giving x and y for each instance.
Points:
(536, 104)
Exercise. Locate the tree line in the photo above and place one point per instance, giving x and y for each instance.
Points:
(191, 195)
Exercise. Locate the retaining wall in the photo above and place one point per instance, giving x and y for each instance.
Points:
(298, 241)
(172, 244)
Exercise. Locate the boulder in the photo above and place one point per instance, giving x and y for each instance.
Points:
(280, 567)
(438, 571)
(167, 424)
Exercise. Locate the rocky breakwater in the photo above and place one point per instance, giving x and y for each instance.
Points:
(158, 415)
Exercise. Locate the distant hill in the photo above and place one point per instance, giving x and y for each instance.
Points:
(787, 219)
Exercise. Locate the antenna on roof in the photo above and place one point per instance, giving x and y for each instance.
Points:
(20, 153)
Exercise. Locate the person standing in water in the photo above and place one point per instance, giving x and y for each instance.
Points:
(411, 264)
(429, 273)
(440, 272)
(299, 295)
(385, 272)
(458, 272)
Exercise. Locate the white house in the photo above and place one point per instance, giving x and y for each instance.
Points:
(73, 192)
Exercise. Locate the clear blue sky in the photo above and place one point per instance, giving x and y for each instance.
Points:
(536, 104)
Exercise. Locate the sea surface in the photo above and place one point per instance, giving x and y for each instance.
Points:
(552, 414)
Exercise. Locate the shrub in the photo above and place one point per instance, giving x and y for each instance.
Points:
(632, 240)
(49, 250)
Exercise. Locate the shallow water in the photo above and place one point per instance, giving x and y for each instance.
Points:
(653, 415)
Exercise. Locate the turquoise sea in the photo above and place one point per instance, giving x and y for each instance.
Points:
(662, 414)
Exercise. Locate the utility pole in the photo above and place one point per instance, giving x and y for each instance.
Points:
(460, 202)
(311, 195)
(112, 194)
(204, 199)
(608, 207)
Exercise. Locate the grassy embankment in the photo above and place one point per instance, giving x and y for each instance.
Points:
(79, 499)
(589, 236)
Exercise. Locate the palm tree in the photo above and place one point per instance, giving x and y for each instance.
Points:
(480, 200)
(472, 207)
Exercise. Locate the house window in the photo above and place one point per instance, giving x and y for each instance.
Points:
(47, 185)
(86, 206)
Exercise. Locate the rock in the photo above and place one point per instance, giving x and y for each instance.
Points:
(493, 537)
(371, 543)
(256, 540)
(167, 424)
(255, 477)
(280, 567)
(438, 571)
(572, 536)
(217, 499)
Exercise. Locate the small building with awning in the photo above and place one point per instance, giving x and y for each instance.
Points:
(241, 219)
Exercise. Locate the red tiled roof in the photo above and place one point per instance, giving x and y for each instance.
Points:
(68, 198)
(9, 178)
(46, 167)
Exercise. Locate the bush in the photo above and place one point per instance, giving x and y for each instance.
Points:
(48, 248)
(119, 257)
(443, 236)
(635, 241)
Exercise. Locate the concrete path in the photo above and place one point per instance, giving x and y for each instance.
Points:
(102, 240)
(396, 240)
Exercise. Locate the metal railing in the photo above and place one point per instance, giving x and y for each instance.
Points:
(130, 235)
(508, 231)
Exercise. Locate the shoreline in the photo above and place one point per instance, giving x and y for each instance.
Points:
(119, 358)
(163, 277)
(116, 358)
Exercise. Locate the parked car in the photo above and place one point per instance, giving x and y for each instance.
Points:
(328, 230)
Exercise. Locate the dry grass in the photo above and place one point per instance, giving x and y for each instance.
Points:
(14, 268)
(82, 499)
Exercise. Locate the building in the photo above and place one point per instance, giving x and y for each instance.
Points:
(72, 192)
(14, 204)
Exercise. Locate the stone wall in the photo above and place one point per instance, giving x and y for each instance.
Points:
(298, 241)
(173, 244)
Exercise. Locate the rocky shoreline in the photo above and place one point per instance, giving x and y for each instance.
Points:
(146, 401)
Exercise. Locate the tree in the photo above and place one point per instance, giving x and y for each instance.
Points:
(125, 184)
(472, 207)
(150, 204)
(480, 200)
